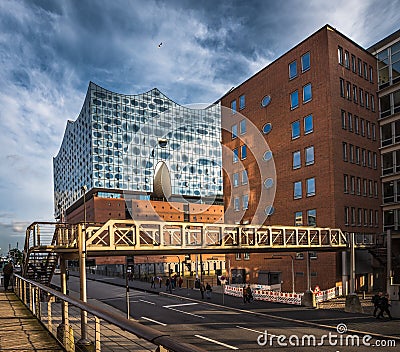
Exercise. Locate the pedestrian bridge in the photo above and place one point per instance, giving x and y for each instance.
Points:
(45, 241)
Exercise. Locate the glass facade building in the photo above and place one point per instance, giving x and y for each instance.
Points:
(119, 143)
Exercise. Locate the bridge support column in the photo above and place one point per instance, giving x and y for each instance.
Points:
(345, 274)
(353, 304)
(84, 344)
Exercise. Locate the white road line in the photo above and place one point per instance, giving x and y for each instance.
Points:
(180, 305)
(142, 300)
(258, 332)
(182, 311)
(217, 342)
(154, 321)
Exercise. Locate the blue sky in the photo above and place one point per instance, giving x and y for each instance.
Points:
(50, 50)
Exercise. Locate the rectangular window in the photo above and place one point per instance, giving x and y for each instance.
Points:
(245, 201)
(245, 178)
(374, 160)
(348, 90)
(365, 70)
(373, 132)
(375, 189)
(242, 127)
(351, 153)
(367, 100)
(372, 103)
(353, 216)
(364, 157)
(369, 159)
(235, 155)
(371, 74)
(235, 180)
(294, 100)
(358, 186)
(308, 124)
(356, 125)
(242, 102)
(312, 217)
(340, 55)
(371, 218)
(364, 187)
(361, 97)
(233, 106)
(370, 188)
(298, 218)
(368, 129)
(309, 152)
(293, 70)
(346, 215)
(365, 217)
(344, 120)
(305, 62)
(307, 93)
(362, 127)
(238, 256)
(352, 185)
(359, 67)
(296, 129)
(358, 155)
(243, 151)
(346, 60)
(310, 184)
(350, 122)
(234, 131)
(355, 94)
(359, 217)
(296, 160)
(353, 63)
(346, 183)
(236, 203)
(376, 218)
(344, 145)
(342, 87)
(297, 192)
(246, 256)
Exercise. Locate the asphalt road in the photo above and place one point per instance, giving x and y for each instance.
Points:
(239, 326)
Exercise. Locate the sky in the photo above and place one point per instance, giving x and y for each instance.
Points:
(193, 51)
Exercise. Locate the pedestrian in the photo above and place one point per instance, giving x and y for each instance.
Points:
(208, 290)
(384, 307)
(8, 271)
(202, 289)
(160, 280)
(244, 294)
(180, 282)
(249, 294)
(153, 282)
(376, 300)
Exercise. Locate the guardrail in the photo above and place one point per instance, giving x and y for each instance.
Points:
(61, 315)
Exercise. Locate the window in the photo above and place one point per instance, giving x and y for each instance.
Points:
(296, 160)
(305, 62)
(298, 218)
(359, 67)
(352, 185)
(234, 131)
(376, 218)
(245, 178)
(365, 70)
(375, 189)
(362, 127)
(358, 186)
(292, 69)
(361, 97)
(346, 60)
(238, 256)
(243, 151)
(308, 124)
(346, 215)
(340, 55)
(350, 122)
(242, 102)
(351, 153)
(359, 217)
(236, 204)
(235, 180)
(297, 190)
(294, 100)
(356, 125)
(309, 151)
(372, 103)
(348, 90)
(358, 155)
(371, 74)
(312, 217)
(235, 155)
(370, 188)
(364, 187)
(242, 126)
(353, 216)
(367, 100)
(245, 201)
(267, 128)
(344, 145)
(368, 129)
(296, 129)
(310, 184)
(344, 119)
(364, 157)
(342, 87)
(355, 95)
(353, 63)
(375, 161)
(246, 256)
(307, 93)
(371, 218)
(233, 106)
(365, 217)
(346, 183)
(373, 126)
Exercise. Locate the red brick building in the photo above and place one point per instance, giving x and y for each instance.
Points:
(316, 107)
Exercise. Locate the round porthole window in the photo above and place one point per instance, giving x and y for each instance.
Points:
(267, 128)
(268, 183)
(269, 210)
(265, 101)
(267, 155)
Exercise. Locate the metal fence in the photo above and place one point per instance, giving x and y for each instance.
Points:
(100, 330)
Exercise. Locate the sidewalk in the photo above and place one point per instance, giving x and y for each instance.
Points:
(20, 330)
(325, 318)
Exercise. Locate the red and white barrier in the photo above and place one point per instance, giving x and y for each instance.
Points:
(322, 296)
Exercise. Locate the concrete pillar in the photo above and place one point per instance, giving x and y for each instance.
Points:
(345, 274)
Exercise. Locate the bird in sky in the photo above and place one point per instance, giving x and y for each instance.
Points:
(159, 45)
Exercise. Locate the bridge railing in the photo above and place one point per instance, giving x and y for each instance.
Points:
(105, 331)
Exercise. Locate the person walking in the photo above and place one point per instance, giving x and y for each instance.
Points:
(376, 300)
(160, 280)
(244, 294)
(208, 290)
(8, 271)
(249, 294)
(153, 282)
(202, 289)
(384, 307)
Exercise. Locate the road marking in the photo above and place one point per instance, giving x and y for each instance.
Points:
(258, 332)
(180, 305)
(154, 321)
(217, 342)
(182, 311)
(142, 300)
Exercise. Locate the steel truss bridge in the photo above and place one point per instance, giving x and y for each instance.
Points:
(46, 241)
